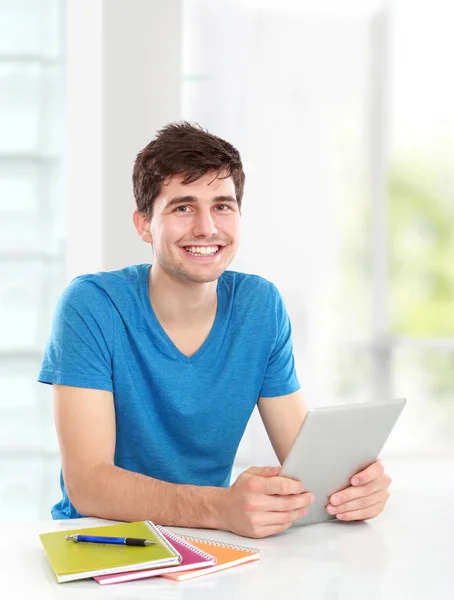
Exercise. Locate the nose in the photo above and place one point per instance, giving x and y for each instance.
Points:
(204, 224)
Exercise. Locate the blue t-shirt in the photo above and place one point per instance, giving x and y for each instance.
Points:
(178, 418)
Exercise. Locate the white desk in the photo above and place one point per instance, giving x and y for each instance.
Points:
(406, 553)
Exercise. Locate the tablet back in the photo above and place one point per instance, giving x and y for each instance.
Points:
(333, 444)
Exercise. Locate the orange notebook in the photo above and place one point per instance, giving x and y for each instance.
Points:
(227, 556)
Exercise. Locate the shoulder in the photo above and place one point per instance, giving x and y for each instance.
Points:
(247, 281)
(251, 288)
(103, 287)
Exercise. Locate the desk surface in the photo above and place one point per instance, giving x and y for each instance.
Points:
(407, 552)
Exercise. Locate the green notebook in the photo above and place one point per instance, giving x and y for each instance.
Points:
(72, 560)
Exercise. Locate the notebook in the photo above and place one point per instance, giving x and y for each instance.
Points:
(193, 558)
(70, 560)
(227, 556)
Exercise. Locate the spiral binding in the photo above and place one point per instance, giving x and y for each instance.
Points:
(220, 544)
(155, 529)
(184, 542)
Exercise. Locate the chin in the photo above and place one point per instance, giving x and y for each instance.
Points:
(184, 274)
(199, 278)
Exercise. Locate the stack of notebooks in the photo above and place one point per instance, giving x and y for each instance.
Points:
(172, 556)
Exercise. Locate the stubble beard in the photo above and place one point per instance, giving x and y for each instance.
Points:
(181, 272)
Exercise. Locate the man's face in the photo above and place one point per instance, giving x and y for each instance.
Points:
(195, 227)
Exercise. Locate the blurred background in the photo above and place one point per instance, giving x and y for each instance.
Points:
(344, 114)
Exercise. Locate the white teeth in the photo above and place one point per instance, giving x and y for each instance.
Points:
(202, 250)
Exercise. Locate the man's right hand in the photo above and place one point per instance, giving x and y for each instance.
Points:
(260, 503)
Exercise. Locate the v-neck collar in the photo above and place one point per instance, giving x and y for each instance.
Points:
(153, 321)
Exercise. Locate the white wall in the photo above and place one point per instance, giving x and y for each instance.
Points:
(123, 83)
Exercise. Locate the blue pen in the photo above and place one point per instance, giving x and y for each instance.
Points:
(94, 539)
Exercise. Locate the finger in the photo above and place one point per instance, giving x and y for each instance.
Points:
(351, 493)
(359, 503)
(264, 471)
(279, 518)
(282, 486)
(364, 513)
(372, 472)
(273, 529)
(268, 530)
(287, 503)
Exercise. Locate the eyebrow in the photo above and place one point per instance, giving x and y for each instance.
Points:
(195, 200)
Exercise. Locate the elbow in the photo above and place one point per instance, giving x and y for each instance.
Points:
(83, 491)
(80, 498)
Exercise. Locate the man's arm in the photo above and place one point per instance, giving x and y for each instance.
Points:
(258, 504)
(282, 417)
(85, 423)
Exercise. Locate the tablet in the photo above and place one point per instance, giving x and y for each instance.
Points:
(333, 444)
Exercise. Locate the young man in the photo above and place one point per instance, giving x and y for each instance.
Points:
(156, 369)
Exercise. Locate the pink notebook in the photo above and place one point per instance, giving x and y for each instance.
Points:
(193, 558)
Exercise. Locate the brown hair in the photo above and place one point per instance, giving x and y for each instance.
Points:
(183, 149)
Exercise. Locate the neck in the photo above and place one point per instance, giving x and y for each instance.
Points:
(178, 302)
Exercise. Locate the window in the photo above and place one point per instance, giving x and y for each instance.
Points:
(32, 258)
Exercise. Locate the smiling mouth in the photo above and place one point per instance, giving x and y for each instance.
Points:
(203, 250)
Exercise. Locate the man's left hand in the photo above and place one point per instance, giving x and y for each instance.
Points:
(365, 498)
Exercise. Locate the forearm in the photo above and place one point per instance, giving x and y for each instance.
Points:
(109, 492)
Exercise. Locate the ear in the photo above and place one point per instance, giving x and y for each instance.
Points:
(142, 225)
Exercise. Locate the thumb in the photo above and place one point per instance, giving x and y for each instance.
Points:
(264, 471)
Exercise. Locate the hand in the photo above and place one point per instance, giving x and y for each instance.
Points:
(260, 503)
(365, 499)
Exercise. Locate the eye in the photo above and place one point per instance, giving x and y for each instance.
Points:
(224, 207)
(181, 208)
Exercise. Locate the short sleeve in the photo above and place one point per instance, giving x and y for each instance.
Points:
(78, 351)
(280, 377)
